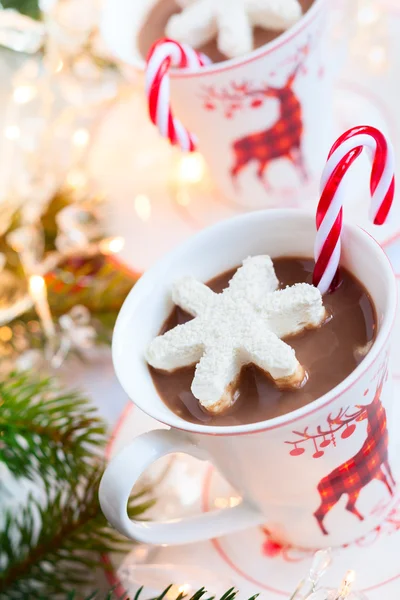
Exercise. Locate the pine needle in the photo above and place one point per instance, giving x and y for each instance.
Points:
(137, 595)
(26, 7)
(64, 552)
(51, 547)
(140, 595)
(46, 431)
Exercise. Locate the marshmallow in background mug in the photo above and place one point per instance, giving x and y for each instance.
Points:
(231, 21)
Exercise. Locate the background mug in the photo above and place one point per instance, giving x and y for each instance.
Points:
(289, 482)
(264, 120)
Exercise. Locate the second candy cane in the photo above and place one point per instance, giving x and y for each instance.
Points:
(163, 55)
(330, 208)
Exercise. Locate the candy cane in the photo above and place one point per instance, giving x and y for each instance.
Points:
(330, 208)
(163, 55)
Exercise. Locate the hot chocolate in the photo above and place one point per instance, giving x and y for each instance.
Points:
(154, 28)
(328, 353)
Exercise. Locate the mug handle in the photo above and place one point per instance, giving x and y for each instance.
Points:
(126, 468)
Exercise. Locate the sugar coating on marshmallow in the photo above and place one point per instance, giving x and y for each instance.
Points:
(239, 326)
(230, 21)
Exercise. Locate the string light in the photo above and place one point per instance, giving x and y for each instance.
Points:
(184, 589)
(371, 39)
(345, 587)
(179, 590)
(76, 179)
(36, 285)
(81, 138)
(191, 168)
(59, 66)
(12, 132)
(232, 501)
(367, 15)
(111, 245)
(142, 206)
(24, 94)
(38, 293)
(377, 56)
(309, 589)
(5, 333)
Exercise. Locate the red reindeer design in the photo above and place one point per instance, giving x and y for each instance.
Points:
(282, 140)
(370, 463)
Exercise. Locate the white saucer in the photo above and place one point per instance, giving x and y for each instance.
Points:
(249, 560)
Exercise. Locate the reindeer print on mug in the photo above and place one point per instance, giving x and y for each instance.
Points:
(282, 140)
(370, 463)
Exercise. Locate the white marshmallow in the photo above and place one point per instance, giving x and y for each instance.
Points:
(293, 309)
(195, 25)
(242, 325)
(231, 21)
(274, 14)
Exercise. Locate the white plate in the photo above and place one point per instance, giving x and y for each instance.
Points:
(250, 560)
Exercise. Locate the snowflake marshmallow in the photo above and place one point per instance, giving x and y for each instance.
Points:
(230, 21)
(242, 325)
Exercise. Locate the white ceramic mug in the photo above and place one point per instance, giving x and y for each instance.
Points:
(312, 492)
(272, 137)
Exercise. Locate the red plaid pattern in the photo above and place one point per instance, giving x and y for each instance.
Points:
(282, 140)
(353, 475)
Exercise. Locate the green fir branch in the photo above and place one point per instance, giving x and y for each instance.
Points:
(26, 7)
(49, 549)
(199, 595)
(46, 431)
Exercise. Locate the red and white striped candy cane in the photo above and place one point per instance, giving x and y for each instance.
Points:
(163, 55)
(330, 208)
